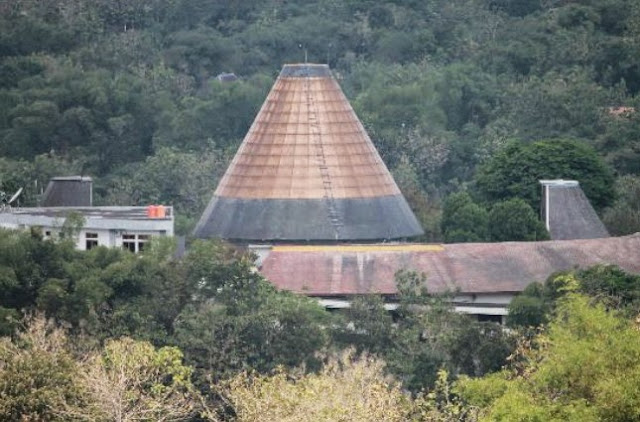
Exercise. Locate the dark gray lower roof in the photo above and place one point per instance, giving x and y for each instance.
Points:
(571, 215)
(74, 191)
(378, 218)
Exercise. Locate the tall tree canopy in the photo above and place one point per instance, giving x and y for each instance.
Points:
(514, 172)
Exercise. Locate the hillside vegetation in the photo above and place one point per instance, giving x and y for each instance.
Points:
(125, 91)
(106, 335)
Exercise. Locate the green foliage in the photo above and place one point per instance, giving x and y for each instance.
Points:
(442, 404)
(170, 177)
(527, 311)
(38, 373)
(366, 326)
(463, 220)
(227, 319)
(45, 378)
(249, 325)
(606, 284)
(133, 380)
(580, 369)
(72, 225)
(346, 389)
(516, 170)
(426, 207)
(616, 288)
(623, 217)
(425, 336)
(514, 220)
(210, 298)
(127, 91)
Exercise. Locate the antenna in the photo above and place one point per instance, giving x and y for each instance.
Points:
(15, 196)
(6, 205)
(301, 46)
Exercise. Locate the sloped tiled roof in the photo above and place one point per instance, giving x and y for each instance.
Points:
(469, 267)
(70, 191)
(571, 215)
(305, 123)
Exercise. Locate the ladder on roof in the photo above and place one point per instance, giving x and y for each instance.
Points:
(321, 160)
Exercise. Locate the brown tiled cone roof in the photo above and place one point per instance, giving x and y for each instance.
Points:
(469, 267)
(307, 171)
(306, 139)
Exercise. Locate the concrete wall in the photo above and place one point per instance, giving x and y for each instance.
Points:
(110, 226)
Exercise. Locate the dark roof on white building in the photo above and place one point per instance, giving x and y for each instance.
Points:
(71, 191)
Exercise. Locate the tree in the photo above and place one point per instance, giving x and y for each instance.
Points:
(348, 388)
(367, 326)
(526, 310)
(429, 335)
(46, 376)
(463, 220)
(72, 226)
(237, 320)
(581, 369)
(605, 284)
(171, 177)
(516, 170)
(131, 380)
(612, 286)
(252, 328)
(515, 220)
(38, 374)
(623, 217)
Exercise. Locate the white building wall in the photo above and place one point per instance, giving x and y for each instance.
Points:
(109, 227)
(104, 238)
(488, 304)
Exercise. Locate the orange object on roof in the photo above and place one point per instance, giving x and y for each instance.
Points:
(152, 211)
(161, 211)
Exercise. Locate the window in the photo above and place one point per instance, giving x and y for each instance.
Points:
(142, 240)
(91, 240)
(129, 242)
(135, 242)
(490, 318)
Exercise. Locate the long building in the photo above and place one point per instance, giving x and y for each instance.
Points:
(481, 277)
(308, 192)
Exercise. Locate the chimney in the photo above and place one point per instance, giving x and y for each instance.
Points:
(70, 191)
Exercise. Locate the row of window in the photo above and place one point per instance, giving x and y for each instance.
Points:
(134, 242)
(131, 242)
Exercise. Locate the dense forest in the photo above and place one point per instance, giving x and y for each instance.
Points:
(469, 102)
(106, 335)
(126, 91)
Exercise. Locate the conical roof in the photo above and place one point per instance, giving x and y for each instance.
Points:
(567, 212)
(307, 170)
